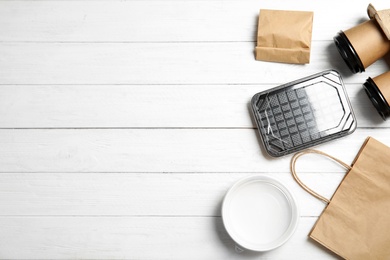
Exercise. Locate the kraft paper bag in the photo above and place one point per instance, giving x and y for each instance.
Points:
(356, 222)
(284, 36)
(382, 17)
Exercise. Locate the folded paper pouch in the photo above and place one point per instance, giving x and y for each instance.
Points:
(284, 36)
(382, 17)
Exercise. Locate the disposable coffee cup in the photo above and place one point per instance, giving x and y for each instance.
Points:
(259, 213)
(362, 45)
(378, 90)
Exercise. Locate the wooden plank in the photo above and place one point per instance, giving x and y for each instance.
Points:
(156, 150)
(161, 21)
(138, 238)
(141, 194)
(137, 106)
(160, 63)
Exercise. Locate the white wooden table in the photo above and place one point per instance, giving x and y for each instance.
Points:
(123, 124)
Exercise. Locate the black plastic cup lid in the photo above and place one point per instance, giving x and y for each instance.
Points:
(377, 98)
(348, 53)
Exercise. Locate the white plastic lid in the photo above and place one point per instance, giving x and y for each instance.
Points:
(259, 213)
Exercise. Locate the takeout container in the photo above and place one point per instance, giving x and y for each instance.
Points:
(303, 113)
(259, 213)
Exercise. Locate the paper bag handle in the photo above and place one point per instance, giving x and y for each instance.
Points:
(299, 154)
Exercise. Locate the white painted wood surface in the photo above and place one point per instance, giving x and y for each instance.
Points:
(123, 124)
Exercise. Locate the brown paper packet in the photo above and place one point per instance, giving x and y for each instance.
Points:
(356, 223)
(382, 17)
(284, 36)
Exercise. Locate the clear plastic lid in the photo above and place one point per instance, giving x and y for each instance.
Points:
(303, 113)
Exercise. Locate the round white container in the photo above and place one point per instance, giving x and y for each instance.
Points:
(259, 213)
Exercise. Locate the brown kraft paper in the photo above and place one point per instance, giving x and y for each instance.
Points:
(284, 36)
(382, 17)
(356, 222)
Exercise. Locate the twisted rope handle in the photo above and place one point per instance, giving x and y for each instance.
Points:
(306, 188)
